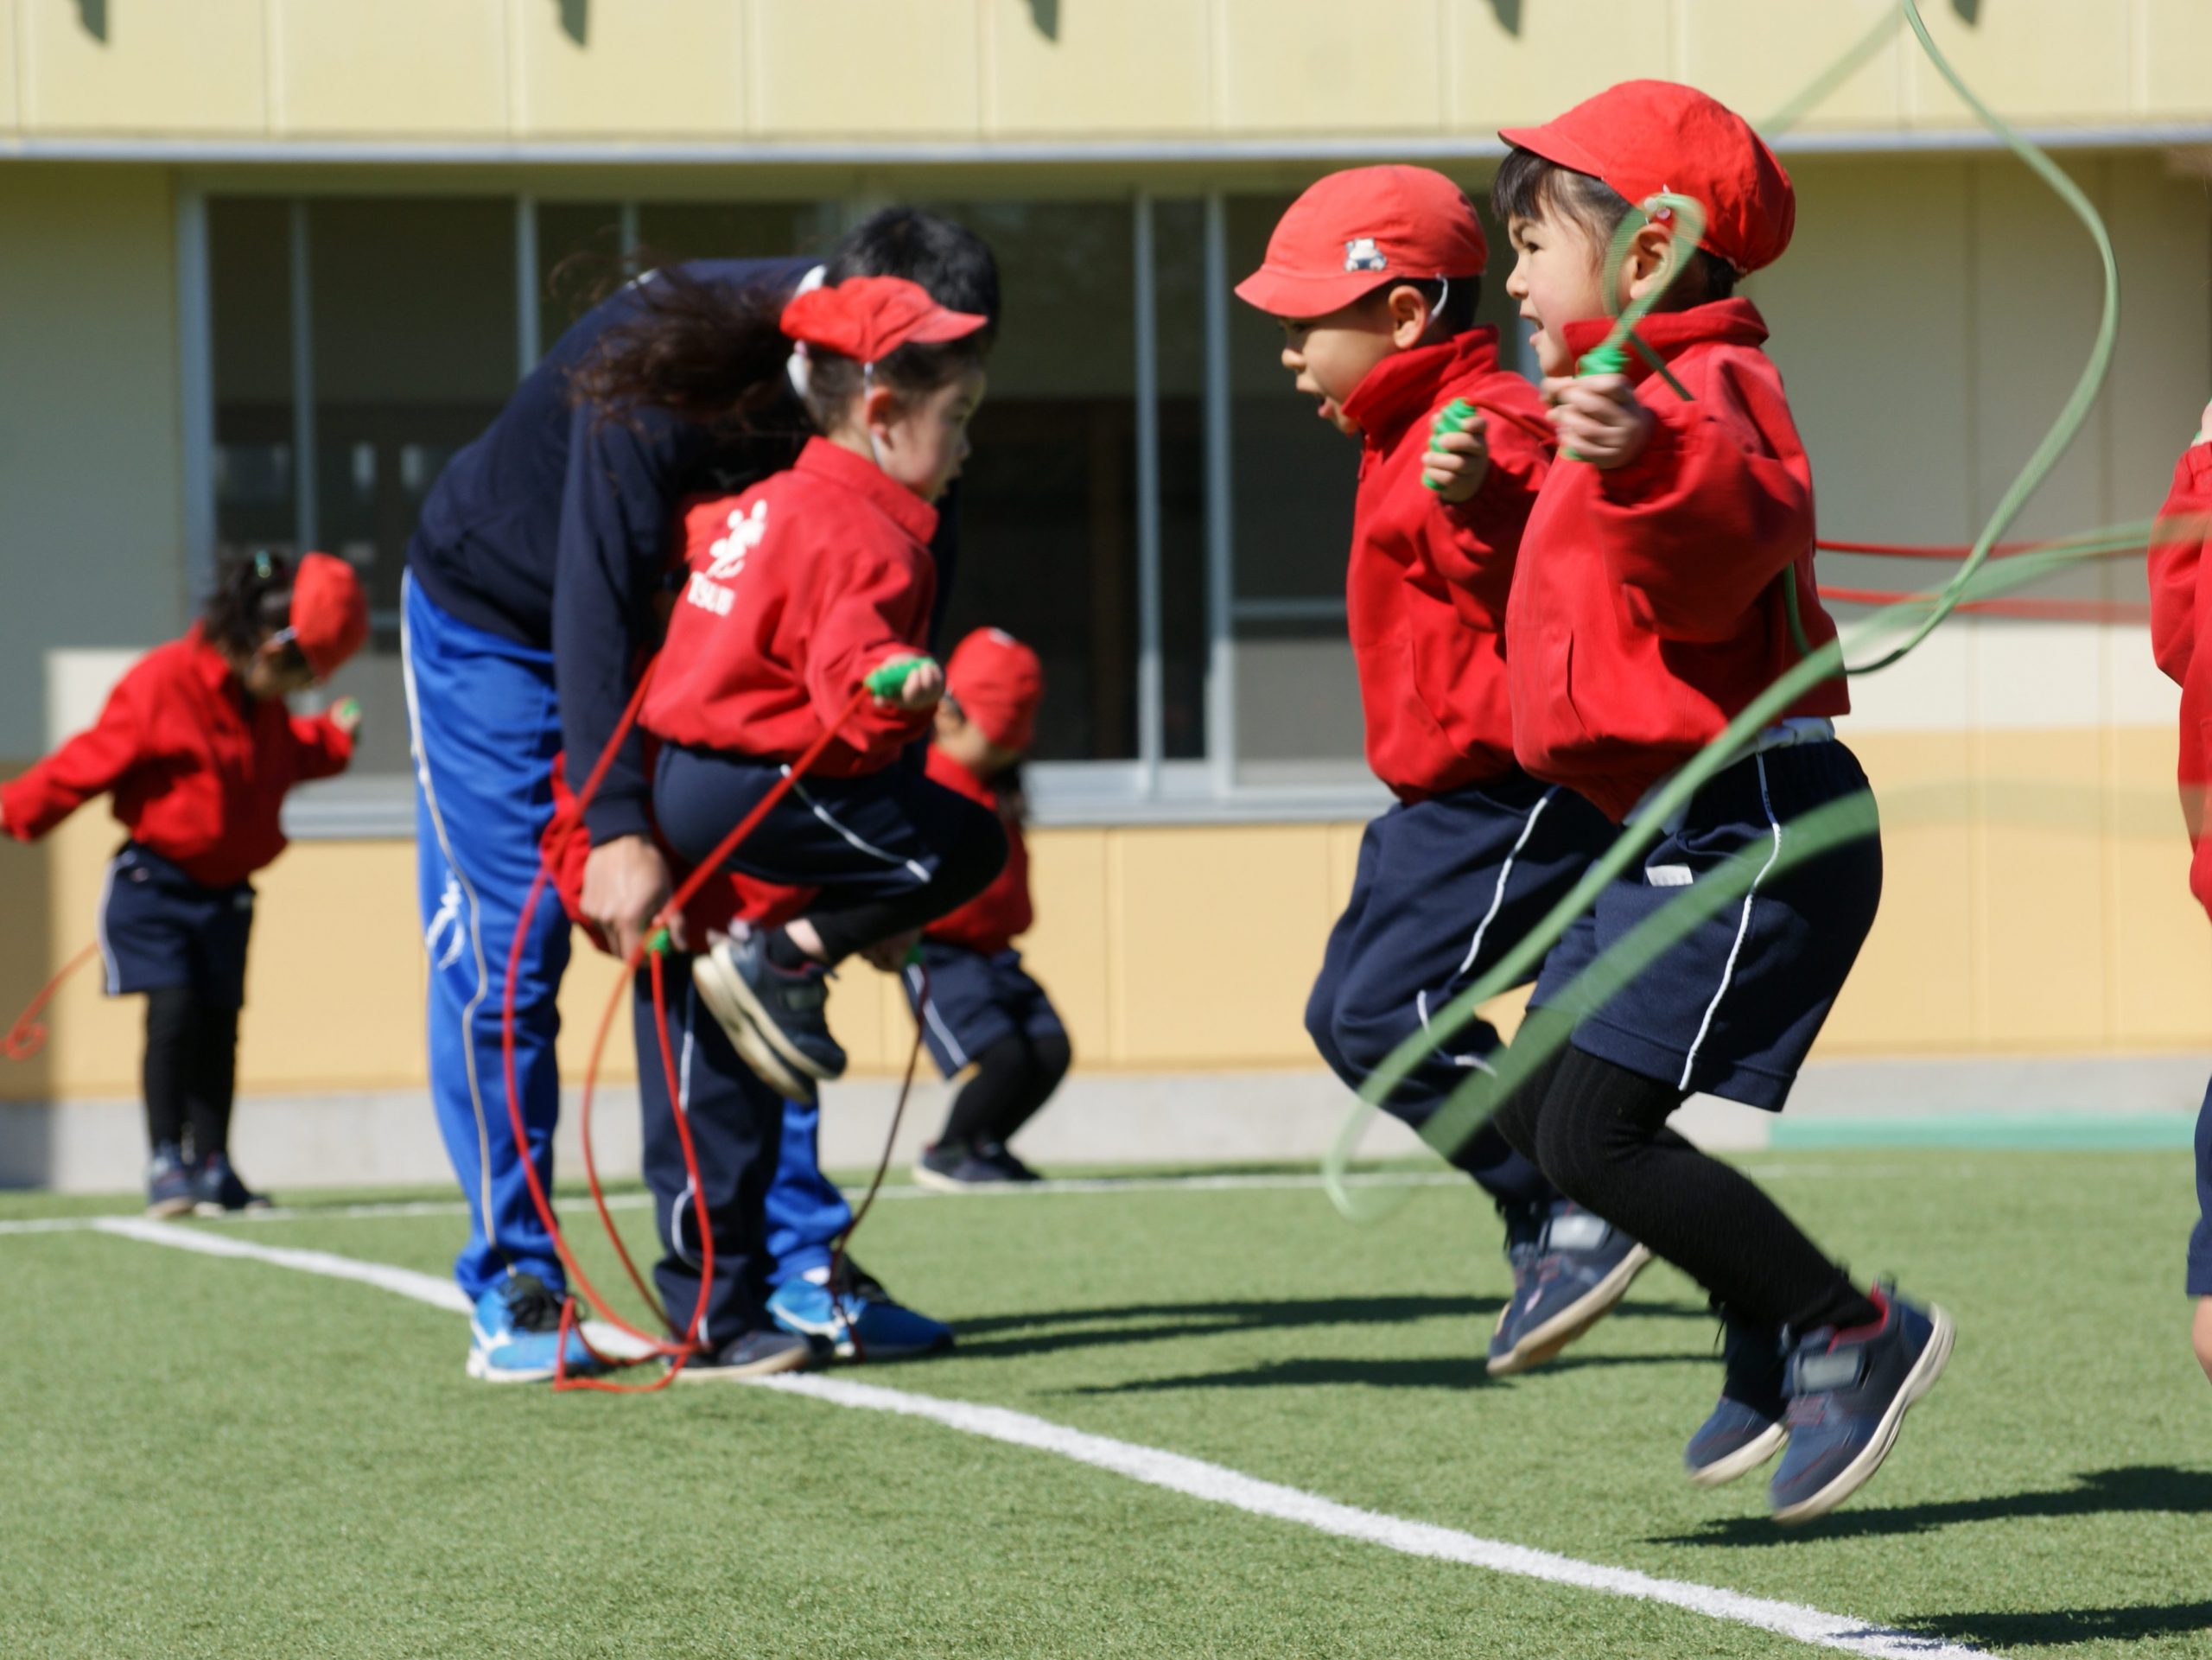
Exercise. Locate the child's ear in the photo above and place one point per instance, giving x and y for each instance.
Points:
(879, 406)
(1646, 265)
(1408, 307)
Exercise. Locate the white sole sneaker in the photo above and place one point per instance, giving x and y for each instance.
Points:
(481, 1369)
(1544, 1342)
(1744, 1459)
(732, 1003)
(797, 1360)
(1857, 1473)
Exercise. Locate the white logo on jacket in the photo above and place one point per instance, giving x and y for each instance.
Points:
(726, 558)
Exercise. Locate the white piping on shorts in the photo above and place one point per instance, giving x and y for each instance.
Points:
(1475, 945)
(936, 1022)
(475, 921)
(107, 952)
(1743, 923)
(921, 873)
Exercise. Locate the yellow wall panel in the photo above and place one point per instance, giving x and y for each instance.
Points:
(141, 67)
(2029, 60)
(406, 67)
(673, 67)
(1313, 66)
(2161, 946)
(2175, 47)
(2040, 888)
(9, 109)
(1104, 66)
(1755, 56)
(1067, 949)
(1525, 63)
(917, 74)
(1221, 935)
(584, 992)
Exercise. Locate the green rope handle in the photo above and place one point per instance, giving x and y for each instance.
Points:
(885, 678)
(1471, 1104)
(1456, 416)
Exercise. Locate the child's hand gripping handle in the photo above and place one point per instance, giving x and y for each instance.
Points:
(1456, 416)
(886, 682)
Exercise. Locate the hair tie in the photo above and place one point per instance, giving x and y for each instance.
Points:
(264, 567)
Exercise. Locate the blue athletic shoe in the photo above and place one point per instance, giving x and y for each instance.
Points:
(217, 1189)
(516, 1327)
(886, 1330)
(1848, 1391)
(751, 1354)
(775, 1018)
(1746, 1428)
(168, 1183)
(1582, 1265)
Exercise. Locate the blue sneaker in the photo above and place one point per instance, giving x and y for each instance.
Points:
(1581, 1266)
(775, 1018)
(1746, 1428)
(170, 1191)
(886, 1330)
(217, 1189)
(517, 1326)
(1848, 1391)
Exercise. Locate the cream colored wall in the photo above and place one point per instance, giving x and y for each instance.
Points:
(1014, 69)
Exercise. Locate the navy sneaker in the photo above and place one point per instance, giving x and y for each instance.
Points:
(1001, 1158)
(951, 1168)
(886, 1330)
(217, 1188)
(775, 1017)
(516, 1334)
(1746, 1428)
(1848, 1391)
(750, 1354)
(1581, 1267)
(170, 1191)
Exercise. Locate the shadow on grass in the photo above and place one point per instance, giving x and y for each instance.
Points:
(2139, 1490)
(1457, 1373)
(1082, 1328)
(2064, 1625)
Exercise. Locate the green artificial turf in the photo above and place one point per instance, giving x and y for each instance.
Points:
(215, 1457)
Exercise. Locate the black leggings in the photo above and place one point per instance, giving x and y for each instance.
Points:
(1600, 1132)
(191, 1073)
(1013, 1078)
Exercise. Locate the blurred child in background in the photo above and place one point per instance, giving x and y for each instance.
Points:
(198, 750)
(977, 1005)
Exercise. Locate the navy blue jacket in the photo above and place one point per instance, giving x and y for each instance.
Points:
(552, 530)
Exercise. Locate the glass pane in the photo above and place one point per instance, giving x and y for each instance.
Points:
(775, 230)
(414, 309)
(1178, 264)
(1048, 504)
(249, 260)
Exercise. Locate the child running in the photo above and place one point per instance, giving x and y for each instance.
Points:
(1373, 274)
(198, 750)
(2181, 589)
(1648, 609)
(977, 1005)
(800, 590)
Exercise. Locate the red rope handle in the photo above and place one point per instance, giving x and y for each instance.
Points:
(27, 1035)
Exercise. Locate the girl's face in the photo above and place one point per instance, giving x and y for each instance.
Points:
(274, 671)
(921, 442)
(1558, 278)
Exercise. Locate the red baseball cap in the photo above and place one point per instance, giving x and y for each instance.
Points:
(1356, 230)
(329, 618)
(1646, 136)
(870, 317)
(998, 683)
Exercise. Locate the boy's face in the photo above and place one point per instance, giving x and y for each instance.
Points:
(1330, 355)
(1558, 278)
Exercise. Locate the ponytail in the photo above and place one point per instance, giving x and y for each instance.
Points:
(252, 601)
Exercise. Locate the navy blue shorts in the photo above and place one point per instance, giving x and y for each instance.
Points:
(160, 929)
(1733, 1008)
(1443, 888)
(2200, 1242)
(975, 1003)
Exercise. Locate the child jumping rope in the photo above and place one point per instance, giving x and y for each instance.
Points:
(2181, 589)
(807, 588)
(198, 751)
(1373, 274)
(1647, 610)
(977, 1005)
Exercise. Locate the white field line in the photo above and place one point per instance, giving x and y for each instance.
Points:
(1228, 1184)
(1214, 1484)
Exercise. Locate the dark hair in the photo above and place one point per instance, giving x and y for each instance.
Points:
(1528, 186)
(253, 600)
(1460, 296)
(691, 348)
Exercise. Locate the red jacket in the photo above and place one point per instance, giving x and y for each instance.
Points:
(1647, 613)
(989, 922)
(2181, 593)
(797, 588)
(1426, 587)
(199, 770)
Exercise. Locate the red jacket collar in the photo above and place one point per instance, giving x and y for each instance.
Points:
(839, 465)
(211, 665)
(1722, 322)
(1407, 385)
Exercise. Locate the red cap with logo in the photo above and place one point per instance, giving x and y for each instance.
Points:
(1356, 230)
(998, 683)
(329, 619)
(1644, 138)
(870, 317)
